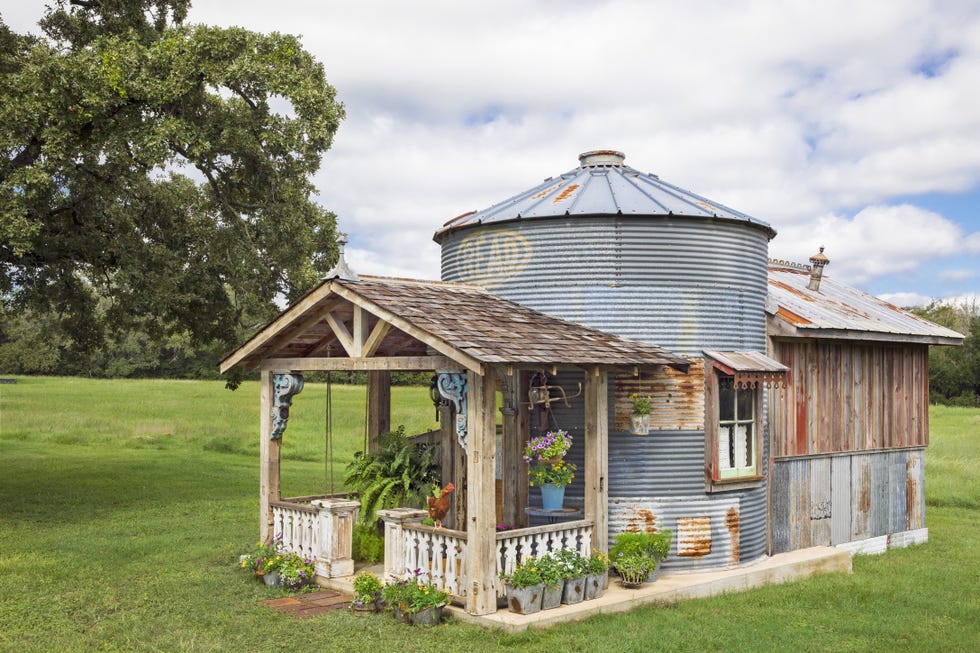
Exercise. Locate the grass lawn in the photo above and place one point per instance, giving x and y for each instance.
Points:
(125, 504)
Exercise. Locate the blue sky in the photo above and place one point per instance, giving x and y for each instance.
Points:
(852, 124)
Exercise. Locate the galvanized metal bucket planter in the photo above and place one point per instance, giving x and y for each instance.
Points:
(552, 596)
(595, 585)
(574, 590)
(640, 424)
(525, 600)
(270, 578)
(427, 617)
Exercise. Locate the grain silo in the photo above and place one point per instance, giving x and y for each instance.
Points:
(623, 251)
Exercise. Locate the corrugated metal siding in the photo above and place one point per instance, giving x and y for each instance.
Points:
(831, 500)
(847, 396)
(677, 399)
(679, 283)
(661, 475)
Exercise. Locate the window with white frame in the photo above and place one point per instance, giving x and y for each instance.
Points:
(736, 441)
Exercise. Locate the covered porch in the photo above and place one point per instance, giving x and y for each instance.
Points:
(479, 345)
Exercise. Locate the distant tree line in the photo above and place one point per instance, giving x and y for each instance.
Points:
(954, 372)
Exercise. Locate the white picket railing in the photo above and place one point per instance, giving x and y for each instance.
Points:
(438, 555)
(297, 528)
(516, 546)
(317, 528)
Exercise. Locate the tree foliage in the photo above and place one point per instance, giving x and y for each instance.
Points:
(954, 372)
(155, 176)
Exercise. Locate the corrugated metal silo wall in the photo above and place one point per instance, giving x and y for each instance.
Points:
(681, 283)
(658, 480)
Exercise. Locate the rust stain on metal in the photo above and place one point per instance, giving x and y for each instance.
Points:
(790, 316)
(649, 520)
(733, 523)
(547, 190)
(693, 536)
(864, 503)
(791, 289)
(565, 194)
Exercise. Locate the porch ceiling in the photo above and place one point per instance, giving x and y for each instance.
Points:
(410, 318)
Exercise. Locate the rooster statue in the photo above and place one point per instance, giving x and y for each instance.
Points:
(439, 503)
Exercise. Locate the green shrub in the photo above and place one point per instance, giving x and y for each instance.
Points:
(367, 544)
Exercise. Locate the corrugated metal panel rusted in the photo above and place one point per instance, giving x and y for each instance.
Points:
(677, 399)
(834, 500)
(836, 307)
(706, 530)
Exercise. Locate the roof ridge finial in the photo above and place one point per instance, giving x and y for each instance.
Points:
(341, 270)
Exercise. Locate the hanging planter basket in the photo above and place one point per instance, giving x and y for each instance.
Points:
(640, 424)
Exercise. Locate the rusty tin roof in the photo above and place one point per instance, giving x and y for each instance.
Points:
(840, 311)
(602, 185)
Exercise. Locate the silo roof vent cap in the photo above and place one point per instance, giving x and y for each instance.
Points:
(601, 158)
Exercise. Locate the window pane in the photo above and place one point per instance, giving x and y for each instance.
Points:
(726, 454)
(726, 399)
(746, 404)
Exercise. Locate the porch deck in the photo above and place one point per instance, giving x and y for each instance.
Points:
(781, 568)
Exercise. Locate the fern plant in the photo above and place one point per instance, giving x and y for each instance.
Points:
(400, 474)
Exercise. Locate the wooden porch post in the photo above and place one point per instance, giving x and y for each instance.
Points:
(379, 407)
(268, 458)
(481, 444)
(513, 467)
(597, 455)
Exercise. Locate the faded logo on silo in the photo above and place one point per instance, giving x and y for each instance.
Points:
(493, 258)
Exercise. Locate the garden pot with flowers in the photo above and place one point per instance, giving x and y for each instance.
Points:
(264, 562)
(597, 568)
(573, 570)
(640, 417)
(367, 592)
(414, 602)
(525, 588)
(553, 579)
(549, 471)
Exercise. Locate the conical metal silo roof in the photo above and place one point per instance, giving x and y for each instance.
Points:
(602, 184)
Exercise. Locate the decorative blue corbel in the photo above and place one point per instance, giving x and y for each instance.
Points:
(284, 387)
(452, 386)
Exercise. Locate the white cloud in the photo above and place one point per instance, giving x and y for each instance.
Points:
(811, 116)
(879, 240)
(957, 275)
(906, 299)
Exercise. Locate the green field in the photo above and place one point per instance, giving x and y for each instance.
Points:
(125, 504)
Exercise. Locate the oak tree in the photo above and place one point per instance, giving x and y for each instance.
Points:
(156, 175)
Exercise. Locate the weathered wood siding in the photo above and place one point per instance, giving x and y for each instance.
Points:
(835, 499)
(847, 396)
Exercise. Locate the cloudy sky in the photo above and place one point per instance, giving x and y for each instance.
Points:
(851, 124)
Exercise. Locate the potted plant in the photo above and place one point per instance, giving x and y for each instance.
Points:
(414, 602)
(596, 567)
(264, 562)
(367, 592)
(552, 479)
(655, 546)
(525, 587)
(425, 604)
(294, 571)
(397, 595)
(553, 579)
(633, 568)
(573, 570)
(640, 417)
